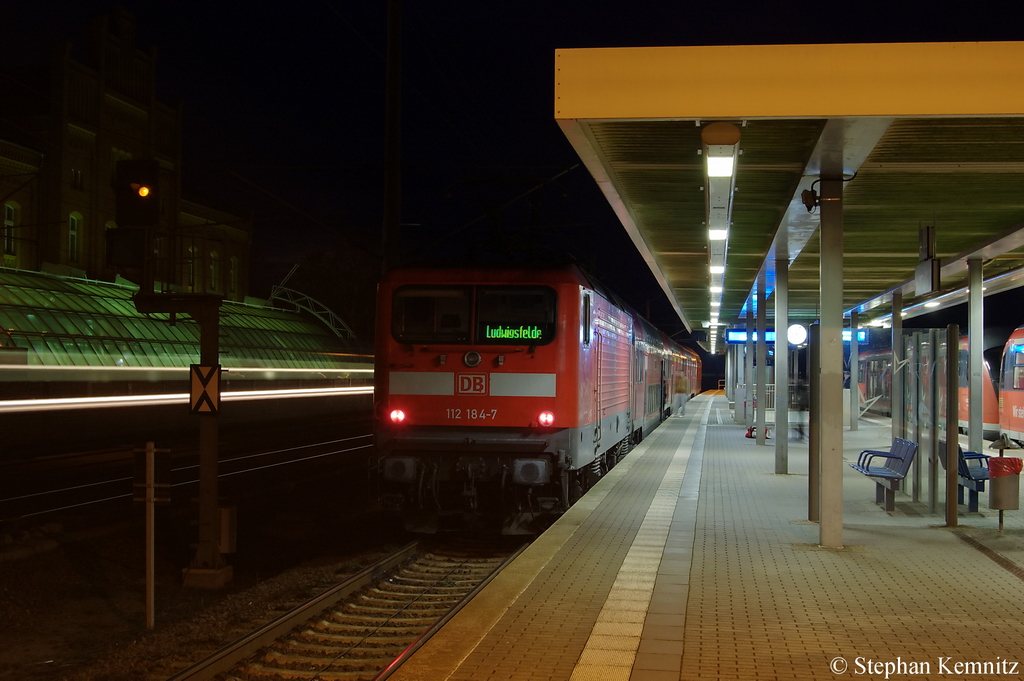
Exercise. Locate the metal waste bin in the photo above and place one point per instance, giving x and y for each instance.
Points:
(1004, 483)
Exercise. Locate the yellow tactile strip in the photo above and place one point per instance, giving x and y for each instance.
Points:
(612, 649)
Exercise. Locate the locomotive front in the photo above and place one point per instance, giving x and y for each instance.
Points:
(475, 397)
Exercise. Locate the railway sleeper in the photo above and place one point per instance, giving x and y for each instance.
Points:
(262, 671)
(394, 626)
(403, 596)
(358, 658)
(427, 582)
(312, 639)
(311, 656)
(422, 598)
(418, 609)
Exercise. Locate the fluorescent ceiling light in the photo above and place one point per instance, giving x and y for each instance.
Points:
(717, 269)
(932, 303)
(718, 234)
(715, 303)
(720, 166)
(716, 289)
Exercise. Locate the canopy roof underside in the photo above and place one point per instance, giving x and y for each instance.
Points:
(926, 134)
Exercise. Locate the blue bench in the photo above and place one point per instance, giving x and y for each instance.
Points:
(972, 469)
(897, 462)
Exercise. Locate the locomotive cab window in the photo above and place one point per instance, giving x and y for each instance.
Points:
(431, 314)
(515, 315)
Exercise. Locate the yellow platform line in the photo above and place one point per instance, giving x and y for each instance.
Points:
(612, 647)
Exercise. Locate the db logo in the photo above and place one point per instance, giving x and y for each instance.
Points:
(471, 384)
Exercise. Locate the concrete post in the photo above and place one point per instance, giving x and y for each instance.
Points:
(975, 349)
(831, 355)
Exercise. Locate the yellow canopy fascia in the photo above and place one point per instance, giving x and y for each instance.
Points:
(791, 81)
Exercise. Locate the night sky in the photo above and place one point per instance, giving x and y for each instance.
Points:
(284, 114)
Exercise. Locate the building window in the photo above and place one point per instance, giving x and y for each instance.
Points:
(76, 179)
(74, 229)
(191, 264)
(214, 271)
(8, 229)
(233, 277)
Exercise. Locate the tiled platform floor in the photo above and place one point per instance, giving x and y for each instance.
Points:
(693, 560)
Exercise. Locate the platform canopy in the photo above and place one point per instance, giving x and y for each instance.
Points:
(927, 135)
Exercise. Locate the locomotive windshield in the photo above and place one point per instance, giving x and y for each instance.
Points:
(515, 315)
(431, 314)
(505, 315)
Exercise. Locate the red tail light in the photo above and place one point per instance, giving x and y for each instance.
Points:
(546, 418)
(397, 415)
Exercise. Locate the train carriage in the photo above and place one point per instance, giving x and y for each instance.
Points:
(1011, 387)
(505, 394)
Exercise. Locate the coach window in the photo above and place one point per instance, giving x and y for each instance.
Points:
(1014, 368)
(586, 319)
(515, 315)
(431, 314)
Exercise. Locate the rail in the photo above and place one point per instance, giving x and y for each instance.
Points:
(226, 658)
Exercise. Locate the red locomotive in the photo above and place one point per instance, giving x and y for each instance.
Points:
(506, 394)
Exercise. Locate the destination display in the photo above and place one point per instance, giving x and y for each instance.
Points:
(515, 315)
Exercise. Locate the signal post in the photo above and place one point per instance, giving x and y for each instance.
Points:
(137, 189)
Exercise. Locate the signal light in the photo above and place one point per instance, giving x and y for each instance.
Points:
(137, 192)
(397, 415)
(546, 418)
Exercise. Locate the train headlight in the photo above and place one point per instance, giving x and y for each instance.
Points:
(400, 469)
(546, 419)
(531, 471)
(397, 416)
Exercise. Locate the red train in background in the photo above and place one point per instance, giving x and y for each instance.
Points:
(998, 398)
(501, 396)
(1011, 387)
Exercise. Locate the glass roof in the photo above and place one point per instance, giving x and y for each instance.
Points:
(75, 322)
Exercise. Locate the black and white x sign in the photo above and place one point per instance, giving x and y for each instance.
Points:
(205, 392)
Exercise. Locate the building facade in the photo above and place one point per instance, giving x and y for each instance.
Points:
(63, 129)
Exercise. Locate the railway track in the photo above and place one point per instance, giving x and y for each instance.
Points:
(364, 628)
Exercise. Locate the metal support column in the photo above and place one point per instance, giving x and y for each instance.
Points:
(781, 363)
(813, 424)
(952, 453)
(896, 388)
(831, 366)
(762, 357)
(748, 368)
(975, 349)
(854, 369)
(730, 373)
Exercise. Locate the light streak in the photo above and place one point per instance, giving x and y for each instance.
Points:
(119, 401)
